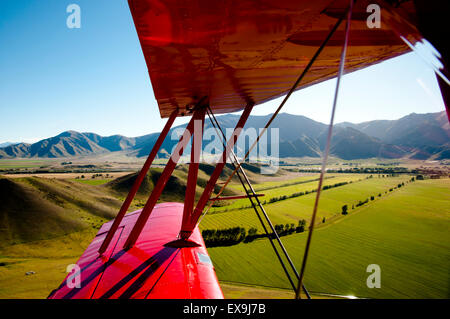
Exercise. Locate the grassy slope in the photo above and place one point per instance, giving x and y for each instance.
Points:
(92, 181)
(83, 199)
(26, 216)
(46, 224)
(174, 190)
(406, 233)
(34, 208)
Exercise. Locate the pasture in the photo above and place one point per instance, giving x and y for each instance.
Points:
(405, 233)
(291, 210)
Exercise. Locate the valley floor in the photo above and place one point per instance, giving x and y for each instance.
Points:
(403, 227)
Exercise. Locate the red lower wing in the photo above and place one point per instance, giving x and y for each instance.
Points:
(155, 267)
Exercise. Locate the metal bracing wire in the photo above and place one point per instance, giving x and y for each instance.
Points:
(253, 196)
(295, 85)
(327, 149)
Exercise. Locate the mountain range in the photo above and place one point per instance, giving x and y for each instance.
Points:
(417, 136)
(6, 144)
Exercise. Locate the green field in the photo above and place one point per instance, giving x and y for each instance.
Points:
(93, 181)
(275, 189)
(6, 164)
(406, 233)
(293, 209)
(46, 224)
(48, 259)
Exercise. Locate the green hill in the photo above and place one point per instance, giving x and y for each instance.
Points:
(175, 188)
(35, 208)
(26, 216)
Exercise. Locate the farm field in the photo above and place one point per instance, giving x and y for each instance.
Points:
(47, 259)
(93, 181)
(292, 209)
(66, 176)
(7, 164)
(276, 189)
(405, 232)
(403, 229)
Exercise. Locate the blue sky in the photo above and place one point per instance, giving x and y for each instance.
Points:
(94, 79)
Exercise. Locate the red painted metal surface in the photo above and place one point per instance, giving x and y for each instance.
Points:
(138, 182)
(191, 184)
(151, 268)
(226, 54)
(231, 53)
(187, 228)
(159, 187)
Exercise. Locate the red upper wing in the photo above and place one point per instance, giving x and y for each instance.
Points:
(229, 53)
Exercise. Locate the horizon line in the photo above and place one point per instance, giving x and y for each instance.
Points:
(32, 141)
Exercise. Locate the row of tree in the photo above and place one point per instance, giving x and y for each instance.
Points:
(235, 235)
(297, 194)
(361, 170)
(276, 199)
(363, 202)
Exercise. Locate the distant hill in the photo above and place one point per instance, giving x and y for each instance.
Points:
(419, 136)
(66, 144)
(349, 143)
(112, 143)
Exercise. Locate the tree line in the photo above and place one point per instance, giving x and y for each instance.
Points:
(297, 194)
(236, 235)
(293, 195)
(360, 203)
(360, 170)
